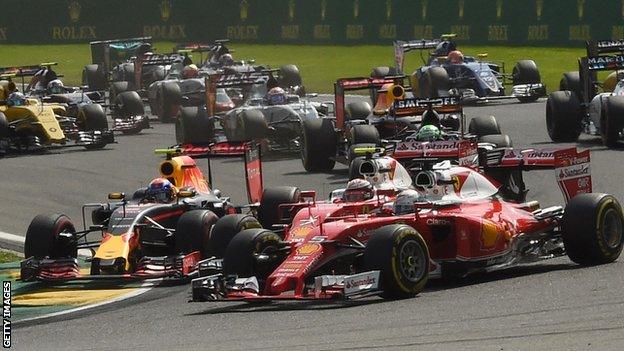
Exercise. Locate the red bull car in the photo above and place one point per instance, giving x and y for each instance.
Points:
(147, 235)
(455, 221)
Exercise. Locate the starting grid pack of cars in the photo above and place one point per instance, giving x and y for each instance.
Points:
(429, 195)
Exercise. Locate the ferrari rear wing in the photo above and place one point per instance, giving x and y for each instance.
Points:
(248, 151)
(417, 155)
(572, 168)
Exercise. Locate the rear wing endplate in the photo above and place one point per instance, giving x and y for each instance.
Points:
(401, 47)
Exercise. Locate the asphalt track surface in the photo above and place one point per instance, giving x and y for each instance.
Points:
(554, 305)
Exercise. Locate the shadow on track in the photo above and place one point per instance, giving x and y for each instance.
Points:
(273, 306)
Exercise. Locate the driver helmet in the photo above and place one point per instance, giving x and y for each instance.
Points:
(358, 190)
(16, 99)
(55, 87)
(455, 57)
(404, 202)
(161, 190)
(428, 132)
(276, 96)
(190, 71)
(226, 59)
(444, 48)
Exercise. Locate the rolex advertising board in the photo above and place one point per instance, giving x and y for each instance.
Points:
(503, 22)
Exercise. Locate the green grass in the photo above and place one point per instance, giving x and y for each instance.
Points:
(320, 65)
(7, 256)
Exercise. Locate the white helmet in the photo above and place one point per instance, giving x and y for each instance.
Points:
(55, 86)
(358, 190)
(404, 202)
(16, 99)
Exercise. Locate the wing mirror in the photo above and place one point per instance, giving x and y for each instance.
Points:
(183, 194)
(116, 196)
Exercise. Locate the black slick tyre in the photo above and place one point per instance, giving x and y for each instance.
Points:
(611, 120)
(269, 212)
(571, 81)
(170, 97)
(383, 71)
(194, 126)
(240, 255)
(226, 228)
(401, 255)
(94, 77)
(563, 116)
(117, 88)
(365, 134)
(43, 237)
(435, 79)
(319, 145)
(193, 232)
(358, 110)
(526, 72)
(592, 229)
(289, 76)
(484, 125)
(500, 140)
(249, 125)
(129, 103)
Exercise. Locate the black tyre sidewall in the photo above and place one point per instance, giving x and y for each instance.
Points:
(582, 229)
(226, 228)
(381, 253)
(42, 237)
(193, 232)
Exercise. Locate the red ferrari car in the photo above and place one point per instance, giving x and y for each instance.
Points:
(454, 220)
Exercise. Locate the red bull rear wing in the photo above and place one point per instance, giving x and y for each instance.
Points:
(357, 83)
(249, 151)
(413, 106)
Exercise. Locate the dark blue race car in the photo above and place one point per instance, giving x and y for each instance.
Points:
(447, 72)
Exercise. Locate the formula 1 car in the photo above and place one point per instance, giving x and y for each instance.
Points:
(27, 125)
(127, 110)
(167, 95)
(147, 236)
(112, 61)
(579, 107)
(277, 124)
(333, 139)
(453, 223)
(469, 77)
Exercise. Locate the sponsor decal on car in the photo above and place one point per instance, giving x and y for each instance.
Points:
(308, 249)
(362, 282)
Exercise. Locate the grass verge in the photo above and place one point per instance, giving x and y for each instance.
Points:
(7, 256)
(320, 65)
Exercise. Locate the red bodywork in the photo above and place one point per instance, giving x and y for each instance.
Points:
(469, 224)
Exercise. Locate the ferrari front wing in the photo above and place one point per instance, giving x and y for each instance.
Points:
(218, 287)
